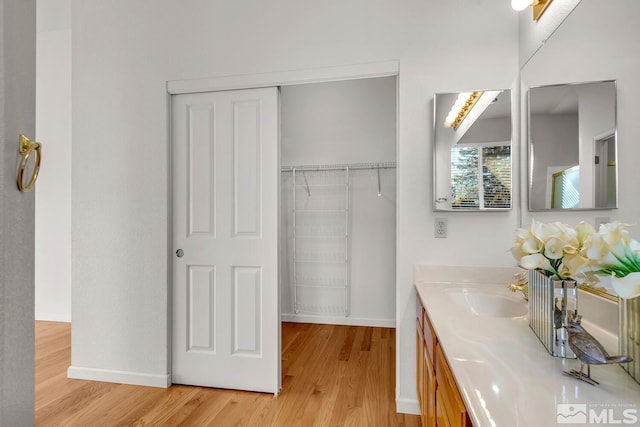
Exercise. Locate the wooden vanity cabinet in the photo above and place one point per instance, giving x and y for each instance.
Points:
(440, 402)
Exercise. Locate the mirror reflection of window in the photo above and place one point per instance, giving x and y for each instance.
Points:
(487, 164)
(565, 193)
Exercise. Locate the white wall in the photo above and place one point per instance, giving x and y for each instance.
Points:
(53, 192)
(352, 121)
(596, 110)
(123, 54)
(533, 34)
(555, 142)
(17, 115)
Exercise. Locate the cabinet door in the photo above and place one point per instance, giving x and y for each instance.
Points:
(420, 374)
(425, 372)
(442, 419)
(429, 407)
(448, 400)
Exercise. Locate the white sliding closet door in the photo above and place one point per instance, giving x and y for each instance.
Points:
(226, 324)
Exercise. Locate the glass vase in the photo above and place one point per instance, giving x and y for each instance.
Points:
(629, 334)
(552, 303)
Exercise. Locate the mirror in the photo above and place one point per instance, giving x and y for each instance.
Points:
(572, 146)
(472, 151)
(590, 45)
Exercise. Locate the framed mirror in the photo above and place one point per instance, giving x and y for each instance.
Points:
(472, 151)
(573, 147)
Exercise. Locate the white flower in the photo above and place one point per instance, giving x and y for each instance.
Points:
(627, 287)
(599, 250)
(613, 233)
(584, 231)
(532, 245)
(573, 265)
(611, 251)
(546, 246)
(554, 248)
(535, 261)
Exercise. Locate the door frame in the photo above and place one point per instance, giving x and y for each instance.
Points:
(285, 78)
(600, 171)
(251, 81)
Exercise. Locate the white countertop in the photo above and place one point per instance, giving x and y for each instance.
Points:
(505, 375)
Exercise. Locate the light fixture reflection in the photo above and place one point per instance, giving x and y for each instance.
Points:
(484, 407)
(464, 103)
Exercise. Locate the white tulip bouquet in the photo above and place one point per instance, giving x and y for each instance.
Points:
(581, 252)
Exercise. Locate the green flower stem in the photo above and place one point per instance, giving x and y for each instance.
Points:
(629, 263)
(555, 265)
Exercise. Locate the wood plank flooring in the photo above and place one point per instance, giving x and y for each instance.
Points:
(332, 376)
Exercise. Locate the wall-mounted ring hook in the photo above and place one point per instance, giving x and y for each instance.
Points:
(26, 148)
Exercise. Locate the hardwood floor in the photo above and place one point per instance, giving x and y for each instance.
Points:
(332, 376)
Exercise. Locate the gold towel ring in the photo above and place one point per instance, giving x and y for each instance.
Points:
(26, 148)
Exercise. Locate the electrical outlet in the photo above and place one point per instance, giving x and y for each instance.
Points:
(440, 228)
(602, 220)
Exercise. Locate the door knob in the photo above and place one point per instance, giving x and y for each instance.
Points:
(180, 253)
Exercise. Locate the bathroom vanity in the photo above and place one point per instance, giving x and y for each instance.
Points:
(478, 362)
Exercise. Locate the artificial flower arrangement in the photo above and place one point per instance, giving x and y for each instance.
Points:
(581, 253)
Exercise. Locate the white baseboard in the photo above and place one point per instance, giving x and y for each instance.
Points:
(407, 406)
(338, 320)
(121, 377)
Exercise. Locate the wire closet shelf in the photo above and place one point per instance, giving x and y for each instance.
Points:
(322, 237)
(339, 166)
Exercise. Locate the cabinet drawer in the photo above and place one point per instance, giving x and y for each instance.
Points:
(448, 399)
(419, 312)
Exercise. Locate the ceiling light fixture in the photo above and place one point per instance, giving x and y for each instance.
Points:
(464, 103)
(539, 6)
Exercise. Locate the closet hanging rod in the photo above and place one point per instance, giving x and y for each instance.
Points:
(382, 165)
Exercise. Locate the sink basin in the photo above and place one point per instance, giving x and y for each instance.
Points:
(482, 303)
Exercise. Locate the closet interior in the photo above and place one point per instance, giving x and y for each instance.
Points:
(338, 202)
